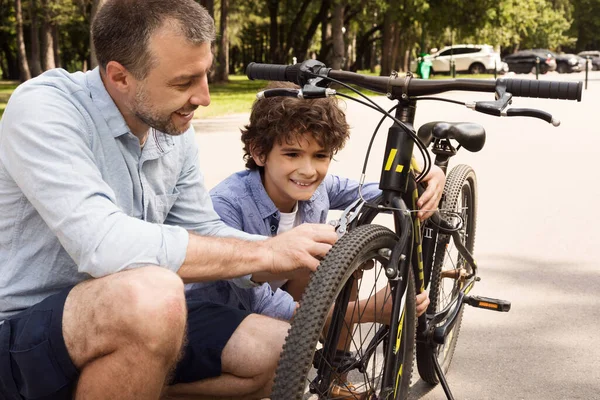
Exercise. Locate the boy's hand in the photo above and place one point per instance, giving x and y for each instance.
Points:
(422, 302)
(429, 200)
(301, 247)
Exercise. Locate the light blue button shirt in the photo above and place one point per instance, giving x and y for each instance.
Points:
(81, 199)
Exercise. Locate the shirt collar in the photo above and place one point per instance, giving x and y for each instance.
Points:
(105, 104)
(265, 205)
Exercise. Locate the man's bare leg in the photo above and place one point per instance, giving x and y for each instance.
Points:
(248, 361)
(124, 332)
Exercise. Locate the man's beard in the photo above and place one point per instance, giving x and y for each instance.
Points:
(145, 113)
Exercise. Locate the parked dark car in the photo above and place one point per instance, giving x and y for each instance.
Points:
(565, 63)
(524, 61)
(594, 56)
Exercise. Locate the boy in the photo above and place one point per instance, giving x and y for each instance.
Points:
(288, 145)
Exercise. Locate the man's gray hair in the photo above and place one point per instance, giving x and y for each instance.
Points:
(122, 29)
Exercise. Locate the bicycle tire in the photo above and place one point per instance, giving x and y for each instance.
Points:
(460, 196)
(343, 260)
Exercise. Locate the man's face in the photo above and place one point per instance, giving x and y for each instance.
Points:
(175, 85)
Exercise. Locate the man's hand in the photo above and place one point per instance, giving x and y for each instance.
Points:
(301, 247)
(429, 200)
(422, 302)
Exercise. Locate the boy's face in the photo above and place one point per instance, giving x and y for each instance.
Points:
(292, 172)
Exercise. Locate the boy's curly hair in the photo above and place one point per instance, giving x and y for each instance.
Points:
(287, 119)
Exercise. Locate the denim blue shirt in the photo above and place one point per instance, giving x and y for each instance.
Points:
(81, 199)
(243, 203)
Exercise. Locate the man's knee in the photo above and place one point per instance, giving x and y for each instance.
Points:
(152, 307)
(144, 307)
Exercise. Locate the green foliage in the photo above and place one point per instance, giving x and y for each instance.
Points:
(506, 23)
(586, 24)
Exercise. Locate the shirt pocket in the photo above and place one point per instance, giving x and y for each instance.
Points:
(161, 206)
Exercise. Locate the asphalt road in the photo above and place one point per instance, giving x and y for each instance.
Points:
(536, 240)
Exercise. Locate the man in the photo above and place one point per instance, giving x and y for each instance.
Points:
(105, 216)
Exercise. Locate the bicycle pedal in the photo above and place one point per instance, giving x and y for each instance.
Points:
(488, 303)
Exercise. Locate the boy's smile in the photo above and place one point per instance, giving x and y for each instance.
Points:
(293, 171)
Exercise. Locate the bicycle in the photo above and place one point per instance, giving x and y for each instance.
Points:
(437, 255)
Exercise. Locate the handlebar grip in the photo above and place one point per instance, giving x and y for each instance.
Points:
(273, 72)
(544, 89)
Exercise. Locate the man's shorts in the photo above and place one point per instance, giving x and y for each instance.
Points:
(35, 363)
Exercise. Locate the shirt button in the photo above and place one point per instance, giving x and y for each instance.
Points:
(273, 228)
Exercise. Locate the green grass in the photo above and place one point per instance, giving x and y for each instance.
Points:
(6, 89)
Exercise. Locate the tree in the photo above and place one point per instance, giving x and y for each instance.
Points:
(35, 64)
(586, 24)
(25, 74)
(273, 6)
(47, 50)
(222, 73)
(337, 36)
(96, 4)
(209, 5)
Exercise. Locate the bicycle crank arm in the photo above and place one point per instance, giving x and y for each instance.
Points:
(488, 303)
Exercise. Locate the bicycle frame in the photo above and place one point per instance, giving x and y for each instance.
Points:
(399, 189)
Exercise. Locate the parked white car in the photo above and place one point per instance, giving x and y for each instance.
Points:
(472, 58)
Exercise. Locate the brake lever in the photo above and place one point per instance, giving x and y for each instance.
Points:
(496, 108)
(530, 112)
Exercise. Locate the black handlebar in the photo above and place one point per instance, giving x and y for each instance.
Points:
(544, 89)
(273, 72)
(302, 72)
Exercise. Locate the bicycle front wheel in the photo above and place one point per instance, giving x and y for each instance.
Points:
(338, 338)
(449, 267)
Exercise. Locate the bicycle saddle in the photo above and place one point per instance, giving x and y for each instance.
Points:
(471, 136)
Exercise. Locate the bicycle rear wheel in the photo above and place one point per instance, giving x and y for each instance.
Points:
(355, 264)
(449, 267)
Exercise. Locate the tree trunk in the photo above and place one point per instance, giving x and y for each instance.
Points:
(223, 55)
(302, 51)
(364, 47)
(337, 36)
(12, 71)
(96, 4)
(34, 61)
(210, 6)
(387, 44)
(395, 62)
(325, 32)
(56, 46)
(24, 72)
(293, 39)
(273, 31)
(47, 38)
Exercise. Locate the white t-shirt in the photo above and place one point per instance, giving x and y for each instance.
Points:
(287, 221)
